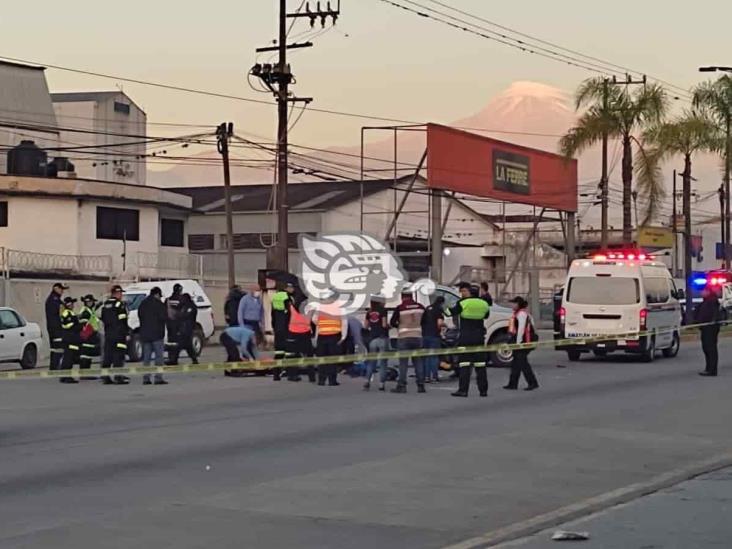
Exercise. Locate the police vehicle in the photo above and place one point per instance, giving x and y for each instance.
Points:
(625, 294)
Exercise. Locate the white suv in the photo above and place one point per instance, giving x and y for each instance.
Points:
(204, 321)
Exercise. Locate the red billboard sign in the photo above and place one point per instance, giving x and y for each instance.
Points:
(476, 165)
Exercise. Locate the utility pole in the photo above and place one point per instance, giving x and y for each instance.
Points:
(223, 134)
(687, 239)
(604, 178)
(723, 223)
(278, 77)
(675, 270)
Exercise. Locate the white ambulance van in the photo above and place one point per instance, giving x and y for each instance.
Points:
(629, 295)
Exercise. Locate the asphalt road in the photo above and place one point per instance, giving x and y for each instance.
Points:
(218, 462)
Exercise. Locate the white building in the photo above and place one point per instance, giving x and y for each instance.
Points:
(26, 112)
(114, 128)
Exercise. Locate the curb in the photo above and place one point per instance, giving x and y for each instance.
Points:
(595, 504)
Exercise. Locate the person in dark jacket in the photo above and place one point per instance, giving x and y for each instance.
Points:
(71, 328)
(281, 301)
(173, 323)
(91, 342)
(116, 330)
(231, 306)
(433, 321)
(186, 328)
(485, 294)
(153, 315)
(708, 314)
(53, 324)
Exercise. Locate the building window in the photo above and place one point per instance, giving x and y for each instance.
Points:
(118, 224)
(3, 214)
(123, 108)
(200, 242)
(171, 232)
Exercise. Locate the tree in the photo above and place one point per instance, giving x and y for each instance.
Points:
(715, 99)
(691, 133)
(622, 115)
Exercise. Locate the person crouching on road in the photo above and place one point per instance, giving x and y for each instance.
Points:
(153, 315)
(521, 326)
(116, 330)
(407, 319)
(299, 340)
(709, 314)
(71, 338)
(331, 331)
(236, 340)
(472, 312)
(90, 339)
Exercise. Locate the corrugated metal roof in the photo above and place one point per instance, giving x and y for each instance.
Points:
(24, 96)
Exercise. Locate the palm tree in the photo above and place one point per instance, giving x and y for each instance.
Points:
(691, 133)
(715, 99)
(620, 115)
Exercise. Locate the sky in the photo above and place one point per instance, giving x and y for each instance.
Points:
(378, 60)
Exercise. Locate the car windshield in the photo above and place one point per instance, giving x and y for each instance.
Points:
(133, 301)
(603, 290)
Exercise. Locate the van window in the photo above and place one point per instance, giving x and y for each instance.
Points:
(657, 290)
(133, 301)
(602, 290)
(450, 298)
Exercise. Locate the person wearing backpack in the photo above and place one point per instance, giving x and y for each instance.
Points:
(522, 328)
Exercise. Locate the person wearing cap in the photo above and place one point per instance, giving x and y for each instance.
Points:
(521, 326)
(377, 330)
(153, 315)
(53, 324)
(280, 322)
(472, 311)
(407, 319)
(172, 304)
(186, 328)
(116, 330)
(71, 337)
(90, 340)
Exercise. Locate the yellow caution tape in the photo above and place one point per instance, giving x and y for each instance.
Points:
(268, 364)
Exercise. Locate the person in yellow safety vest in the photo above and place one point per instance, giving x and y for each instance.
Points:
(331, 331)
(71, 328)
(280, 323)
(299, 340)
(472, 312)
(90, 340)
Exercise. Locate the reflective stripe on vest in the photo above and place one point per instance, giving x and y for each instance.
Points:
(300, 324)
(328, 325)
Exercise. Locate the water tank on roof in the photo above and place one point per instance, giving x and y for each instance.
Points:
(27, 159)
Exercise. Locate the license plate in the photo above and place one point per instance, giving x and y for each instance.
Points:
(621, 342)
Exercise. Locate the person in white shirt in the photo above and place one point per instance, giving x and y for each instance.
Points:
(521, 326)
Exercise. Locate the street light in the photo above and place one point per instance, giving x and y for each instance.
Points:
(715, 69)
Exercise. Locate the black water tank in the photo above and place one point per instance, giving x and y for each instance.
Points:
(27, 159)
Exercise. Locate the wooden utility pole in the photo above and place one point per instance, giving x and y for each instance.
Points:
(223, 134)
(675, 230)
(278, 77)
(604, 178)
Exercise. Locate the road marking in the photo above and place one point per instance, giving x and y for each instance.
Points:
(595, 504)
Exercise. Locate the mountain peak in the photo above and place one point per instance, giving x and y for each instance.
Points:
(527, 88)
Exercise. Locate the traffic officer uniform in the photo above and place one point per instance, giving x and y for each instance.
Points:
(71, 338)
(330, 335)
(114, 318)
(299, 343)
(90, 347)
(53, 325)
(280, 326)
(472, 312)
(173, 324)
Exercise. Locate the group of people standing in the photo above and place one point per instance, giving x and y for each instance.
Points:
(76, 337)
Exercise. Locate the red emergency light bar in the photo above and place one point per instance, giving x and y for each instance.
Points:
(633, 255)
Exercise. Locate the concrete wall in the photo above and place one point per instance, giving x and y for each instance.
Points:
(254, 222)
(47, 225)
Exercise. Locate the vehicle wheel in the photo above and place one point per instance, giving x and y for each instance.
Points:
(198, 340)
(672, 351)
(600, 353)
(503, 357)
(650, 353)
(30, 357)
(574, 356)
(134, 352)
